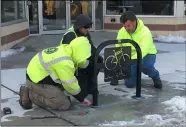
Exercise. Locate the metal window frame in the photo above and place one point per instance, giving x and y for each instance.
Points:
(103, 15)
(14, 22)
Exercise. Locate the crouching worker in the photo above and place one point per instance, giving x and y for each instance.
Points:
(134, 29)
(50, 76)
(81, 29)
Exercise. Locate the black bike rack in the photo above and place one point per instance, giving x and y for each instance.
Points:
(98, 66)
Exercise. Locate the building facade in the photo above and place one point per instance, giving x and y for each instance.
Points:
(162, 17)
(20, 19)
(14, 23)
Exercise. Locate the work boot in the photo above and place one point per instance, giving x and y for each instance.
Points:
(25, 101)
(114, 82)
(157, 83)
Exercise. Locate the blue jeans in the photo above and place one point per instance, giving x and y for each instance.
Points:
(147, 68)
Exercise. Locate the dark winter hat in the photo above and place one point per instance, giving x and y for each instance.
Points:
(81, 21)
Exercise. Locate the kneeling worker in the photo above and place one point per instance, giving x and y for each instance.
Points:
(51, 73)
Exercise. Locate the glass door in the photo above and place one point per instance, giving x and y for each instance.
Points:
(77, 7)
(53, 16)
(33, 16)
(99, 15)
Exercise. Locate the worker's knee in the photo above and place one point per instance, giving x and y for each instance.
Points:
(130, 83)
(65, 105)
(61, 103)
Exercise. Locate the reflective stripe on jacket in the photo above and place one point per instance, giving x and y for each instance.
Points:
(142, 36)
(60, 63)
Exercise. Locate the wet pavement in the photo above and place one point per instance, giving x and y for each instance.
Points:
(114, 105)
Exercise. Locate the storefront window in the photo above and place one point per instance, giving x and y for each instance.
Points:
(140, 7)
(12, 10)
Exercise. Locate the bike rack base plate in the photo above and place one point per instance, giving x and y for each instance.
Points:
(138, 98)
(97, 106)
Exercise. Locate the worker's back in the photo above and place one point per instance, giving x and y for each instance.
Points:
(37, 72)
(57, 59)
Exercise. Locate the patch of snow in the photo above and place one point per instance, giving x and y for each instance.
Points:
(170, 39)
(16, 109)
(178, 86)
(118, 123)
(12, 78)
(159, 120)
(177, 116)
(176, 104)
(153, 119)
(10, 52)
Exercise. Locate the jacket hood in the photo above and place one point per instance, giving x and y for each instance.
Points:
(140, 25)
(81, 21)
(79, 49)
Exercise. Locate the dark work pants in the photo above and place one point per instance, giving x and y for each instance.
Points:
(147, 68)
(86, 77)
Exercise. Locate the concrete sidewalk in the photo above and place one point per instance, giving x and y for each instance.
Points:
(117, 108)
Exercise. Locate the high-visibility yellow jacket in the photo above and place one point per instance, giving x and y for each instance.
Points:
(142, 36)
(61, 63)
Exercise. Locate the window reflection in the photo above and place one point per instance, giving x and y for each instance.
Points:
(99, 15)
(12, 10)
(140, 7)
(80, 7)
(54, 15)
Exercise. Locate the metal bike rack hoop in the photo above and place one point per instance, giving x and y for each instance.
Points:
(101, 65)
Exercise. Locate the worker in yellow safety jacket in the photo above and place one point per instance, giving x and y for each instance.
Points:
(50, 76)
(80, 28)
(134, 29)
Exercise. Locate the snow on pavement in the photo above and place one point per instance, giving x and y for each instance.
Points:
(176, 105)
(170, 39)
(16, 109)
(176, 110)
(12, 78)
(118, 123)
(178, 86)
(159, 120)
(176, 114)
(10, 52)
